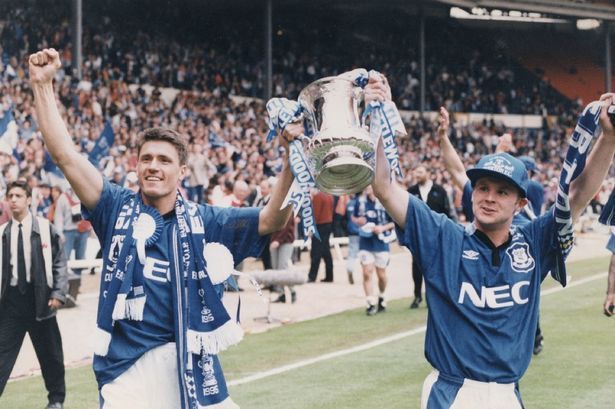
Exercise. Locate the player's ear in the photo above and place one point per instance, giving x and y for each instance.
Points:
(522, 203)
(183, 170)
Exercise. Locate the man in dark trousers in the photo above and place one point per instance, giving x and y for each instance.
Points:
(34, 283)
(323, 215)
(437, 199)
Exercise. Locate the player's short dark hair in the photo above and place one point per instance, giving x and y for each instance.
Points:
(179, 141)
(22, 184)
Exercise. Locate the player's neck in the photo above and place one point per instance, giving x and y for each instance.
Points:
(497, 234)
(163, 204)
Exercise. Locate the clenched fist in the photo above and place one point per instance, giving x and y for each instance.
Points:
(43, 66)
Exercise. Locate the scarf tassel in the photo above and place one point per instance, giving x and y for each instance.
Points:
(131, 309)
(215, 341)
(225, 404)
(102, 341)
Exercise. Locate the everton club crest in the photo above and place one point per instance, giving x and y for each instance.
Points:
(520, 258)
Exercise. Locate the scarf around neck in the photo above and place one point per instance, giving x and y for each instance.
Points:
(204, 326)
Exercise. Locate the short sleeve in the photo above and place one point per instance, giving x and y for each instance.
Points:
(427, 232)
(235, 228)
(106, 212)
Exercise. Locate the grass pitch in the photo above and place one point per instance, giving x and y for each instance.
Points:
(573, 371)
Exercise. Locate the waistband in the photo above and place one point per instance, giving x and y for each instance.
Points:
(474, 383)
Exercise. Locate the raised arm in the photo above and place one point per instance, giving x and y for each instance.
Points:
(84, 178)
(271, 218)
(393, 197)
(451, 159)
(587, 184)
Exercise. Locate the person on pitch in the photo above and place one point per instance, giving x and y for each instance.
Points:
(483, 281)
(160, 320)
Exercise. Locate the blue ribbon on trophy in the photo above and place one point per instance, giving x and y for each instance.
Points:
(385, 122)
(282, 112)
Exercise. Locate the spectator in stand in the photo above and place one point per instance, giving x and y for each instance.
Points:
(322, 204)
(241, 191)
(201, 169)
(5, 211)
(56, 192)
(43, 200)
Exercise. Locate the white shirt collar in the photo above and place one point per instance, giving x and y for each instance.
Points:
(26, 222)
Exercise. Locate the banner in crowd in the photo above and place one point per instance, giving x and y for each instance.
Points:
(103, 145)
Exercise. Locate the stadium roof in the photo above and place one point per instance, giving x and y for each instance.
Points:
(602, 10)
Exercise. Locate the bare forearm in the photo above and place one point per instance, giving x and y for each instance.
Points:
(271, 217)
(392, 196)
(83, 177)
(453, 162)
(57, 139)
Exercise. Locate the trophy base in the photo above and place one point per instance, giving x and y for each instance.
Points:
(344, 175)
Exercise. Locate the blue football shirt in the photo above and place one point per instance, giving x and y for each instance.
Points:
(375, 213)
(483, 301)
(236, 228)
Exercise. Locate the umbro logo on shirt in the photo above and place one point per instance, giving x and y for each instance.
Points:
(470, 254)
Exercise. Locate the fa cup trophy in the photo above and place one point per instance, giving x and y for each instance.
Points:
(340, 149)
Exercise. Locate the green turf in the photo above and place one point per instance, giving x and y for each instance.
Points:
(573, 371)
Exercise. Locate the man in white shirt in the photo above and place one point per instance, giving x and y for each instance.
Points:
(33, 285)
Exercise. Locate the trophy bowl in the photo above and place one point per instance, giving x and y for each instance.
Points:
(340, 150)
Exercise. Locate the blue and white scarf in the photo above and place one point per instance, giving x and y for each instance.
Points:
(281, 112)
(206, 326)
(587, 129)
(384, 120)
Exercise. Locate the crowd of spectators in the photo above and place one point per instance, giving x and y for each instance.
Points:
(227, 133)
